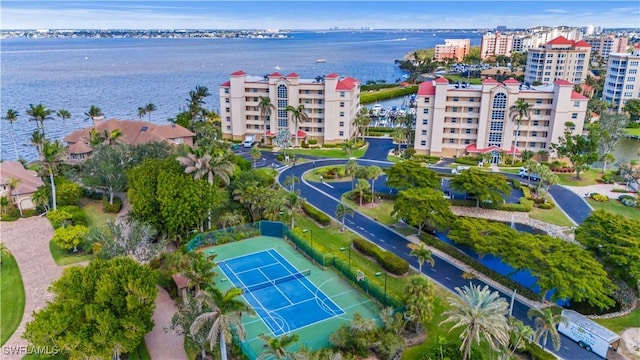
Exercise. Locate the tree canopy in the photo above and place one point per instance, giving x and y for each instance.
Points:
(581, 150)
(423, 207)
(411, 174)
(99, 311)
(485, 186)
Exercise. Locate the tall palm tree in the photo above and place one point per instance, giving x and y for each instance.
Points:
(361, 188)
(350, 169)
(295, 202)
(298, 115)
(361, 122)
(52, 155)
(398, 135)
(342, 211)
(266, 107)
(199, 270)
(277, 346)
(63, 114)
(11, 117)
(418, 298)
(196, 100)
(255, 155)
(519, 111)
(291, 182)
(545, 324)
(423, 254)
(225, 317)
(141, 112)
(373, 172)
(479, 312)
(348, 147)
(39, 113)
(202, 164)
(149, 108)
(94, 113)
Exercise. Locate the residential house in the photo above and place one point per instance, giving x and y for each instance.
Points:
(18, 184)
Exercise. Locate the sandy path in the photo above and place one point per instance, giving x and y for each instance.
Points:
(28, 240)
(162, 343)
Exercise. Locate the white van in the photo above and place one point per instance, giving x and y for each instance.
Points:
(460, 169)
(524, 173)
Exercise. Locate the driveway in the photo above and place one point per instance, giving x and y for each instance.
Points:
(378, 148)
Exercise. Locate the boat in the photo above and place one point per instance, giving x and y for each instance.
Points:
(321, 60)
(382, 112)
(277, 67)
(375, 110)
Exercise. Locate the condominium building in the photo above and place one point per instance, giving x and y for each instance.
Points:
(559, 59)
(494, 44)
(622, 80)
(452, 49)
(462, 119)
(330, 102)
(604, 45)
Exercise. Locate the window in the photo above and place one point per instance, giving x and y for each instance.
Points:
(226, 90)
(454, 120)
(227, 109)
(500, 101)
(306, 91)
(633, 63)
(229, 127)
(341, 113)
(226, 100)
(341, 104)
(256, 117)
(532, 144)
(282, 92)
(469, 121)
(283, 102)
(255, 90)
(341, 133)
(426, 100)
(496, 126)
(470, 110)
(228, 118)
(320, 129)
(574, 115)
(472, 99)
(467, 141)
(341, 123)
(425, 121)
(534, 133)
(455, 98)
(452, 141)
(454, 109)
(628, 94)
(341, 95)
(631, 79)
(423, 143)
(320, 102)
(576, 104)
(424, 132)
(425, 111)
(320, 111)
(256, 127)
(633, 71)
(628, 87)
(495, 137)
(452, 131)
(467, 131)
(538, 101)
(535, 122)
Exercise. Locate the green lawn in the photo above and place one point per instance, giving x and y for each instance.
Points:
(586, 178)
(620, 323)
(394, 159)
(634, 132)
(66, 257)
(95, 215)
(336, 153)
(617, 208)
(140, 353)
(381, 210)
(11, 298)
(552, 216)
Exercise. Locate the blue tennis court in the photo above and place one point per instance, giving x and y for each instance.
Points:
(282, 295)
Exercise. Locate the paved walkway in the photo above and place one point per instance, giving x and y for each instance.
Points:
(604, 189)
(162, 342)
(28, 241)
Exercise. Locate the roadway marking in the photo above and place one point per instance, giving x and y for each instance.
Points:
(328, 185)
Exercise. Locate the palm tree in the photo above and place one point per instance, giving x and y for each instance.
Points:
(196, 100)
(230, 219)
(398, 135)
(277, 347)
(350, 169)
(298, 115)
(295, 202)
(200, 270)
(423, 254)
(52, 154)
(342, 211)
(291, 182)
(348, 147)
(361, 188)
(266, 108)
(479, 312)
(255, 155)
(39, 113)
(224, 317)
(11, 117)
(418, 298)
(545, 324)
(149, 108)
(63, 114)
(141, 112)
(373, 172)
(361, 122)
(518, 112)
(200, 165)
(94, 113)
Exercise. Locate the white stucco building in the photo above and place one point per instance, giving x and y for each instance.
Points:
(559, 59)
(461, 119)
(331, 103)
(623, 81)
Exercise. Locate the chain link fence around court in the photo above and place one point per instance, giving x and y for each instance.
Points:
(278, 229)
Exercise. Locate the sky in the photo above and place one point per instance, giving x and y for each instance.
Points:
(284, 15)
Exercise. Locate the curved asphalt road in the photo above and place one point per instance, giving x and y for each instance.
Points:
(445, 273)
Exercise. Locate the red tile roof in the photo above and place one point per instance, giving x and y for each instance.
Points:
(442, 80)
(560, 40)
(577, 96)
(636, 46)
(511, 81)
(238, 73)
(293, 75)
(581, 43)
(489, 81)
(426, 88)
(331, 76)
(473, 148)
(563, 82)
(347, 83)
(227, 83)
(275, 74)
(27, 181)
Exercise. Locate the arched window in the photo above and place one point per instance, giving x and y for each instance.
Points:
(496, 125)
(283, 121)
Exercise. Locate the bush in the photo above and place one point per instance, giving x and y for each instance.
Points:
(112, 208)
(611, 178)
(28, 213)
(92, 194)
(515, 183)
(525, 205)
(78, 216)
(526, 191)
(629, 202)
(619, 190)
(546, 206)
(313, 142)
(536, 352)
(469, 160)
(447, 349)
(331, 146)
(317, 215)
(388, 260)
(626, 196)
(12, 214)
(599, 197)
(304, 144)
(68, 193)
(280, 157)
(243, 163)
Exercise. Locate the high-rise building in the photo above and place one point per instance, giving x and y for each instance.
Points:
(452, 49)
(604, 45)
(494, 44)
(460, 119)
(622, 80)
(559, 59)
(331, 103)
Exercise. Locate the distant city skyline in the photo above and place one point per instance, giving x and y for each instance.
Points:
(292, 15)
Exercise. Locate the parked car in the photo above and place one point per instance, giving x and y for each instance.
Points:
(524, 173)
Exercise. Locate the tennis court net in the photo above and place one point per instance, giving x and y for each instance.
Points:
(274, 282)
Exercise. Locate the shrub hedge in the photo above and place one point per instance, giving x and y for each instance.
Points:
(112, 208)
(546, 206)
(468, 160)
(313, 142)
(525, 205)
(599, 197)
(388, 260)
(317, 215)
